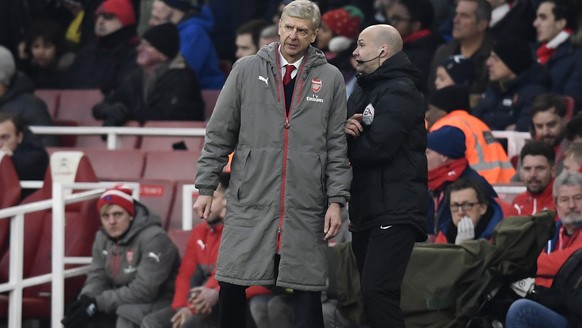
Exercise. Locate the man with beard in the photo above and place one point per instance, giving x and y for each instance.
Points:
(549, 303)
(537, 171)
(548, 116)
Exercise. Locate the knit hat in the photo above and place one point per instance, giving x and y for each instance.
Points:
(120, 196)
(182, 5)
(7, 66)
(164, 38)
(515, 53)
(448, 141)
(344, 21)
(451, 98)
(122, 9)
(460, 68)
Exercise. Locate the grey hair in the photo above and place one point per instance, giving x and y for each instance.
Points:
(303, 9)
(566, 179)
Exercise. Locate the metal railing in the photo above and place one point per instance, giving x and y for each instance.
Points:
(114, 133)
(16, 283)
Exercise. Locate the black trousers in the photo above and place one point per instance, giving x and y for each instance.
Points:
(232, 300)
(382, 255)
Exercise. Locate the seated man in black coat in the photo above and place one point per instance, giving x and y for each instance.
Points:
(28, 154)
(163, 88)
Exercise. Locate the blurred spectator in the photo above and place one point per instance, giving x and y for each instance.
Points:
(133, 268)
(17, 97)
(514, 82)
(413, 19)
(450, 106)
(513, 18)
(163, 88)
(269, 34)
(470, 39)
(339, 29)
(28, 154)
(247, 38)
(86, 25)
(567, 192)
(555, 300)
(573, 158)
(573, 130)
(194, 24)
(537, 172)
(105, 62)
(47, 56)
(455, 70)
(554, 23)
(474, 213)
(447, 163)
(548, 118)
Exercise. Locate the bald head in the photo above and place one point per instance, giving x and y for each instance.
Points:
(376, 42)
(385, 35)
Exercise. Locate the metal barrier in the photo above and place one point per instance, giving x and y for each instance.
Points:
(515, 140)
(16, 283)
(113, 133)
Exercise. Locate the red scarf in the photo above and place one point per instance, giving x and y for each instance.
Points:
(416, 35)
(446, 173)
(544, 54)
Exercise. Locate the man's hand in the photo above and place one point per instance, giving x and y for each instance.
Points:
(6, 150)
(80, 313)
(203, 299)
(181, 317)
(353, 125)
(465, 230)
(333, 221)
(202, 206)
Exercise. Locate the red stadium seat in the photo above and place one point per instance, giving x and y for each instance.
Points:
(52, 99)
(210, 97)
(82, 224)
(171, 165)
(570, 106)
(158, 196)
(77, 105)
(9, 196)
(117, 165)
(175, 221)
(180, 239)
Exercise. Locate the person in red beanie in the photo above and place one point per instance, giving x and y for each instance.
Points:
(105, 61)
(133, 268)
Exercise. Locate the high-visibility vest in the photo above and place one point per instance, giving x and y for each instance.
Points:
(484, 153)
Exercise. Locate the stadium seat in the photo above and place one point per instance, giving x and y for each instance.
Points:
(76, 105)
(116, 165)
(96, 142)
(52, 98)
(180, 239)
(175, 221)
(167, 143)
(171, 165)
(82, 224)
(158, 196)
(9, 196)
(210, 97)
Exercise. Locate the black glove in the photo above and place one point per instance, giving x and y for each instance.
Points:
(79, 313)
(548, 297)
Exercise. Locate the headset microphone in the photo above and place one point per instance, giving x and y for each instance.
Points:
(369, 60)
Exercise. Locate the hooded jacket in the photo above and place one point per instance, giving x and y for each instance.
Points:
(285, 171)
(137, 270)
(388, 158)
(198, 49)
